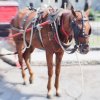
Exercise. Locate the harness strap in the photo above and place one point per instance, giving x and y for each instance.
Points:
(58, 39)
(40, 36)
(24, 33)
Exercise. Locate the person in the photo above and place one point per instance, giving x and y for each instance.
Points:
(31, 6)
(86, 6)
(66, 4)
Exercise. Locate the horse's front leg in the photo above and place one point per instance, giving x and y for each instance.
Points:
(49, 57)
(59, 56)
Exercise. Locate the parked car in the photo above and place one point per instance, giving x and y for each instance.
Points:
(8, 10)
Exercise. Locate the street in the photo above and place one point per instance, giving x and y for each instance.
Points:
(80, 74)
(71, 81)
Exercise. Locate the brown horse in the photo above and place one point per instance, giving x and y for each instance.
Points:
(52, 38)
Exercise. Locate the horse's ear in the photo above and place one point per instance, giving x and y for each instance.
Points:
(73, 12)
(87, 12)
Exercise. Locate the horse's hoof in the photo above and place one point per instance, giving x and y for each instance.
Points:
(58, 94)
(24, 83)
(49, 96)
(31, 81)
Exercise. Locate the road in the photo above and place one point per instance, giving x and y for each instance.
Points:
(11, 87)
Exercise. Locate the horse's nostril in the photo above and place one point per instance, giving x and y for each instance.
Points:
(84, 51)
(84, 48)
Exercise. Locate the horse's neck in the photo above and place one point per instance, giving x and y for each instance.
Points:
(66, 22)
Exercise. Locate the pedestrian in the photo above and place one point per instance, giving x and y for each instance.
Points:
(66, 4)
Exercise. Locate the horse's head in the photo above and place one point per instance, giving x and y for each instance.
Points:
(82, 30)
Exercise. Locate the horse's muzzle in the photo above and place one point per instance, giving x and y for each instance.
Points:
(83, 48)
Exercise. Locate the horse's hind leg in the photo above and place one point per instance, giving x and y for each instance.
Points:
(49, 57)
(26, 56)
(19, 47)
(57, 71)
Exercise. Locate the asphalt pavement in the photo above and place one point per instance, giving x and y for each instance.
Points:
(71, 81)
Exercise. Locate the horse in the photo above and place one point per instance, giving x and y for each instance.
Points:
(53, 37)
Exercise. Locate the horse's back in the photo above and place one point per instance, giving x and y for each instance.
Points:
(23, 15)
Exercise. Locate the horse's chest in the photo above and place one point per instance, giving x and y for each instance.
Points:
(48, 40)
(51, 44)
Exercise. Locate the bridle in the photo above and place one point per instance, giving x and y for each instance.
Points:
(79, 33)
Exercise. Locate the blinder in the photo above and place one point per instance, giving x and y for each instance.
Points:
(78, 32)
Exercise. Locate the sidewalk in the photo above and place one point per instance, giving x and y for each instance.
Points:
(93, 57)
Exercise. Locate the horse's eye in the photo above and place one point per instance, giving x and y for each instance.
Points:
(79, 21)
